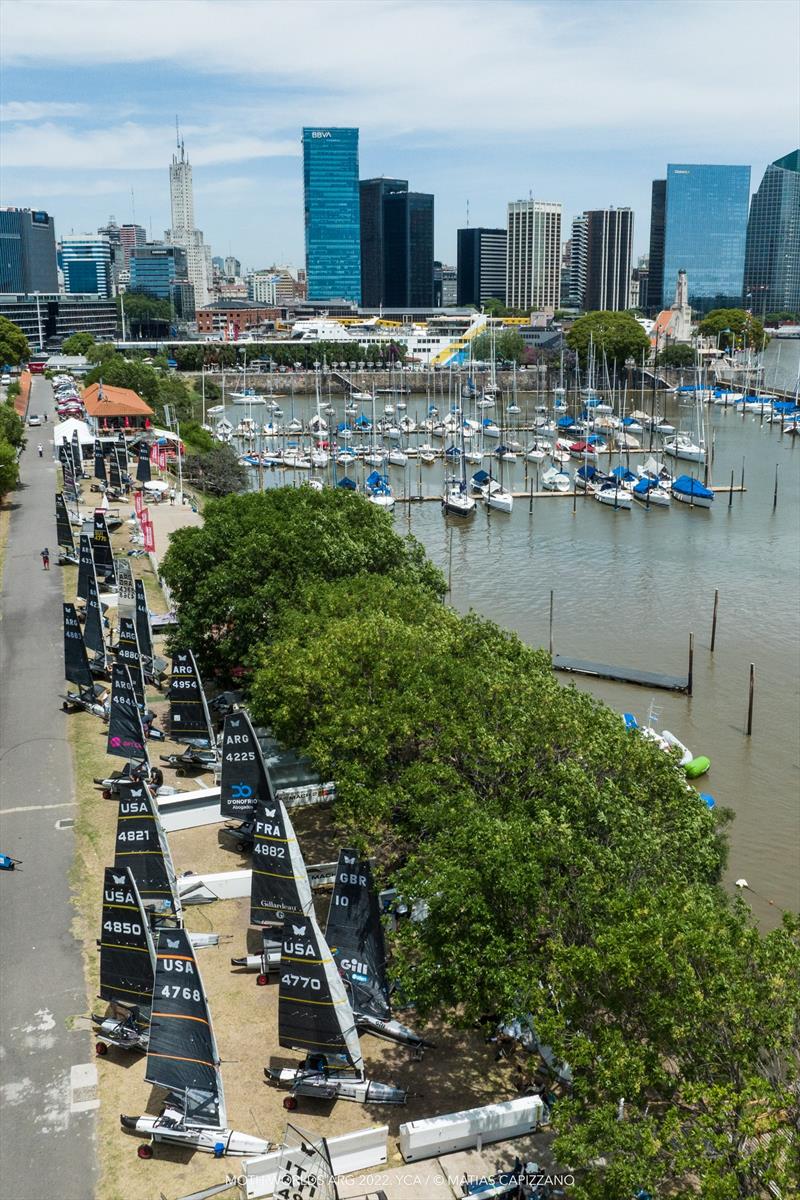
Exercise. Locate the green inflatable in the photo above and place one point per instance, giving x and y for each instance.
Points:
(698, 766)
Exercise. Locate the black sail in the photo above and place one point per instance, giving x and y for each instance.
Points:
(93, 626)
(125, 732)
(76, 660)
(85, 566)
(244, 780)
(279, 882)
(99, 462)
(77, 454)
(126, 596)
(68, 472)
(182, 1052)
(314, 1013)
(127, 954)
(122, 465)
(143, 463)
(355, 935)
(114, 473)
(143, 630)
(128, 653)
(141, 846)
(64, 532)
(121, 450)
(188, 711)
(101, 547)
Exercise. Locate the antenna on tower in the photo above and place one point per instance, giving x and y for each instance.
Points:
(468, 214)
(177, 133)
(133, 208)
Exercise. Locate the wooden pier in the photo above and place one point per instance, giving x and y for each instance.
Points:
(416, 499)
(650, 679)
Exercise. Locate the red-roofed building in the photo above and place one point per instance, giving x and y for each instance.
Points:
(116, 407)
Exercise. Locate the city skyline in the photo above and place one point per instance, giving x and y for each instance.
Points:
(591, 127)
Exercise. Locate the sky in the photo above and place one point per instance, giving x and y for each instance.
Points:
(578, 101)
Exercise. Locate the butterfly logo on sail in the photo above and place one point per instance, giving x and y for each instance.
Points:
(173, 945)
(299, 930)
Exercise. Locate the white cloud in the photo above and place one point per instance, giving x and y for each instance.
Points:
(129, 146)
(35, 110)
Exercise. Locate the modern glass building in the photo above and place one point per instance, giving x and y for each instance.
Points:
(87, 265)
(154, 269)
(27, 251)
(331, 201)
(658, 213)
(373, 193)
(408, 249)
(772, 257)
(705, 231)
(481, 266)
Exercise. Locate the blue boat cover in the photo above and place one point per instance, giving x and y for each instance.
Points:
(452, 452)
(686, 485)
(487, 421)
(630, 721)
(363, 422)
(564, 422)
(480, 478)
(623, 474)
(348, 483)
(645, 485)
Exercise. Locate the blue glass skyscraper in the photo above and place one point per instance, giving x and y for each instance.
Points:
(331, 196)
(705, 231)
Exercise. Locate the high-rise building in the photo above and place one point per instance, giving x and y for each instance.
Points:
(233, 268)
(331, 204)
(131, 236)
(155, 269)
(372, 194)
(640, 277)
(658, 213)
(408, 249)
(577, 261)
(184, 232)
(533, 258)
(772, 256)
(27, 251)
(481, 266)
(609, 244)
(445, 285)
(87, 264)
(705, 230)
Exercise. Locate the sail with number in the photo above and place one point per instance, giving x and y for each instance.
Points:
(77, 455)
(125, 732)
(128, 653)
(189, 719)
(114, 472)
(182, 1052)
(355, 935)
(127, 954)
(99, 462)
(68, 473)
(142, 846)
(101, 547)
(93, 627)
(244, 781)
(76, 660)
(143, 473)
(85, 566)
(144, 631)
(279, 881)
(314, 1013)
(121, 451)
(64, 532)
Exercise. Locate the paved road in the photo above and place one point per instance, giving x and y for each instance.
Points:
(47, 1147)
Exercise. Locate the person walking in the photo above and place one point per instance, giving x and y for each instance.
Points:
(40, 448)
(46, 559)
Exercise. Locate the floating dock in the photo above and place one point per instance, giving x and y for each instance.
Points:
(650, 679)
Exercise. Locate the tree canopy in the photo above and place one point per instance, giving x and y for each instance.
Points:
(677, 355)
(78, 343)
(157, 387)
(255, 550)
(12, 439)
(735, 327)
(508, 346)
(13, 344)
(216, 470)
(618, 335)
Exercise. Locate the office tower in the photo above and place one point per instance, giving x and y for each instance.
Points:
(609, 244)
(533, 258)
(772, 256)
(577, 262)
(27, 251)
(372, 193)
(655, 281)
(87, 264)
(481, 266)
(445, 285)
(131, 236)
(233, 268)
(705, 231)
(408, 249)
(184, 232)
(155, 268)
(331, 206)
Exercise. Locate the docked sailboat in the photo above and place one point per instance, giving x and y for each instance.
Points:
(556, 480)
(682, 446)
(127, 964)
(182, 1057)
(354, 934)
(379, 490)
(315, 1016)
(689, 490)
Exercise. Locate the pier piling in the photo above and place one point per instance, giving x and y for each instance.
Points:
(551, 624)
(730, 493)
(714, 620)
(775, 493)
(690, 673)
(742, 473)
(750, 696)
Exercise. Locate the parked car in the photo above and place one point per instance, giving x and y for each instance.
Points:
(35, 419)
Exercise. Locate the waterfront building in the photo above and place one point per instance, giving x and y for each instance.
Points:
(609, 245)
(658, 211)
(86, 262)
(184, 232)
(577, 262)
(27, 251)
(772, 255)
(445, 285)
(331, 207)
(481, 266)
(533, 255)
(372, 193)
(53, 316)
(131, 236)
(234, 316)
(705, 230)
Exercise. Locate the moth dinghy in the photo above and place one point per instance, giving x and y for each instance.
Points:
(127, 965)
(90, 696)
(189, 718)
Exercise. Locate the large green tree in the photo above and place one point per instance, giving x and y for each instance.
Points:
(9, 468)
(78, 343)
(254, 551)
(12, 427)
(617, 335)
(13, 344)
(734, 327)
(677, 355)
(216, 471)
(158, 388)
(508, 346)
